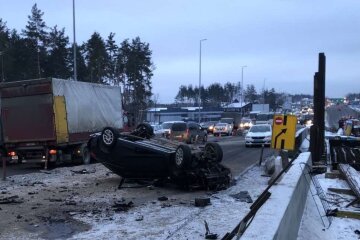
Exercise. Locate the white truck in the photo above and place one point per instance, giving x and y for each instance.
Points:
(50, 120)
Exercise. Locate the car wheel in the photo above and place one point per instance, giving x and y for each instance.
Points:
(182, 156)
(213, 152)
(109, 137)
(205, 138)
(192, 140)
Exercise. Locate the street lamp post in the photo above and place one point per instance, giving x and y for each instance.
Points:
(2, 66)
(242, 87)
(200, 78)
(74, 47)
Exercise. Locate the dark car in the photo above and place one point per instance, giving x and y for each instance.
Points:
(209, 126)
(137, 155)
(189, 132)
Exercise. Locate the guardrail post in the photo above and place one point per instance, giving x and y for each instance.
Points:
(284, 154)
(261, 154)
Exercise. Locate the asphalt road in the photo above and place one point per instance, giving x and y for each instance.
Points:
(236, 156)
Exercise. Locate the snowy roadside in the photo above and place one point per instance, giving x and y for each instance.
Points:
(315, 225)
(83, 202)
(67, 204)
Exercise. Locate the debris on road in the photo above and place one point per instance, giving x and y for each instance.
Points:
(83, 171)
(208, 234)
(122, 207)
(202, 202)
(242, 196)
(163, 198)
(10, 200)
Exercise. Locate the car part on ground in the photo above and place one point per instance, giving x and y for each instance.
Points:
(139, 155)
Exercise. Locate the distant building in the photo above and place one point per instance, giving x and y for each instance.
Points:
(159, 115)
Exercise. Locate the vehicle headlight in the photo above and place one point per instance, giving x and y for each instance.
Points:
(250, 124)
(268, 138)
(211, 127)
(241, 125)
(247, 138)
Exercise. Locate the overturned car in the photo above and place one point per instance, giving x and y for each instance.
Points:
(140, 155)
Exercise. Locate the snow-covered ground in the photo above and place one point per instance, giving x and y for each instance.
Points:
(316, 226)
(66, 204)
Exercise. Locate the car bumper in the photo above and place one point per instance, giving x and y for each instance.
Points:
(257, 142)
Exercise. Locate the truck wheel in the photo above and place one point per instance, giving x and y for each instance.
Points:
(213, 152)
(109, 137)
(182, 156)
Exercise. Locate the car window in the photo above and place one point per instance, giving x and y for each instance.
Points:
(166, 125)
(260, 129)
(178, 127)
(193, 126)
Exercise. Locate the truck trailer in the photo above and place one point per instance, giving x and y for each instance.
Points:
(50, 120)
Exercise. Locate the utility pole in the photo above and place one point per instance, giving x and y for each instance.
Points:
(74, 44)
(242, 88)
(2, 67)
(200, 79)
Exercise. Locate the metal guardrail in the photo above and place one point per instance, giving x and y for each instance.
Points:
(345, 150)
(300, 136)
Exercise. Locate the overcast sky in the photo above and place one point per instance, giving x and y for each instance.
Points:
(278, 40)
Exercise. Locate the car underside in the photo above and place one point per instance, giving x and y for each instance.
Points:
(141, 155)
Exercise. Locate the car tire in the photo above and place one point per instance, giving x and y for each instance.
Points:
(213, 152)
(182, 156)
(109, 137)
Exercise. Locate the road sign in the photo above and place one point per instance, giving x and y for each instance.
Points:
(283, 132)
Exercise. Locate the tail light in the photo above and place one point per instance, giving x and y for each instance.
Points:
(11, 154)
(52, 152)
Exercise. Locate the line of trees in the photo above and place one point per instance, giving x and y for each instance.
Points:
(217, 95)
(40, 51)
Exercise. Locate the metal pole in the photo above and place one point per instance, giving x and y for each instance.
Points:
(242, 87)
(200, 78)
(74, 45)
(2, 67)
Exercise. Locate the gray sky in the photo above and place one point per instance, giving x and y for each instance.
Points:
(278, 40)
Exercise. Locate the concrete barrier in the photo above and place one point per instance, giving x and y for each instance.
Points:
(280, 216)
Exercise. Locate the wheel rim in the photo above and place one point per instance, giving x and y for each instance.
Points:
(179, 156)
(108, 137)
(211, 152)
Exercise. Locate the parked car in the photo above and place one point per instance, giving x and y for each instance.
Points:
(140, 156)
(189, 132)
(166, 128)
(258, 135)
(158, 130)
(222, 128)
